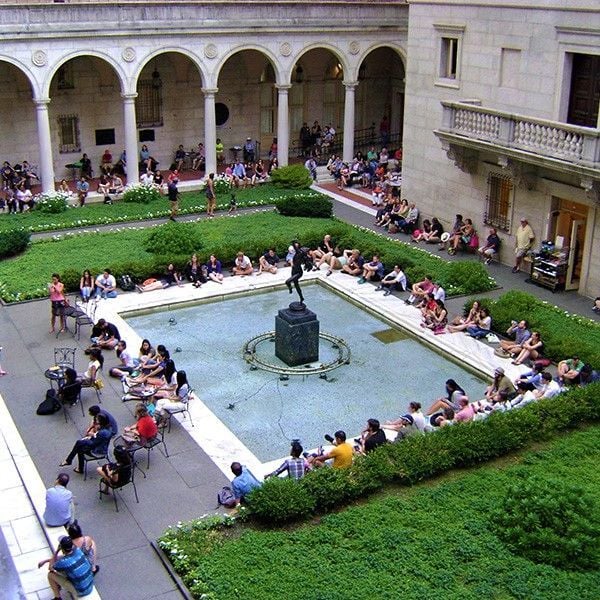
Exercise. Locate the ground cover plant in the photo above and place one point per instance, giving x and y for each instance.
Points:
(25, 277)
(436, 540)
(563, 334)
(119, 212)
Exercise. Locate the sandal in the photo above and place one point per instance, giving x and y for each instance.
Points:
(64, 463)
(76, 470)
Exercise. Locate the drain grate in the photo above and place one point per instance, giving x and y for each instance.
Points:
(389, 336)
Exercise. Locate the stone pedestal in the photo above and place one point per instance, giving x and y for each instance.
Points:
(296, 335)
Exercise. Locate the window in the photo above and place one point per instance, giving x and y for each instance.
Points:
(148, 104)
(498, 201)
(584, 97)
(68, 134)
(449, 58)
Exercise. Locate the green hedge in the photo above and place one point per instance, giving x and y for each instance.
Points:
(291, 177)
(424, 456)
(13, 243)
(564, 334)
(25, 277)
(317, 206)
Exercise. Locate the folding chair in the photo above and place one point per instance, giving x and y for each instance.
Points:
(185, 411)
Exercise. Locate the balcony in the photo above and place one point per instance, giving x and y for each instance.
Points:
(468, 129)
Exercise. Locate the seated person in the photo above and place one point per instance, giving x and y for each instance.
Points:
(521, 333)
(420, 290)
(372, 271)
(325, 246)
(93, 427)
(160, 374)
(105, 335)
(501, 384)
(86, 167)
(142, 431)
(239, 175)
(171, 277)
(341, 453)
(116, 185)
(68, 392)
(147, 178)
(569, 370)
(435, 235)
(588, 375)
(242, 265)
(268, 262)
(482, 326)
(461, 323)
(453, 393)
(126, 362)
(404, 427)
(106, 162)
(409, 222)
(491, 247)
(354, 264)
(296, 466)
(549, 389)
(466, 411)
(103, 184)
(444, 419)
(195, 272)
(88, 378)
(24, 198)
(395, 280)
(532, 349)
(106, 285)
(214, 269)
(95, 445)
(179, 158)
(199, 157)
(173, 400)
(243, 482)
(461, 237)
(415, 418)
(121, 166)
(455, 231)
(531, 380)
(83, 188)
(260, 173)
(436, 318)
(117, 473)
(371, 437)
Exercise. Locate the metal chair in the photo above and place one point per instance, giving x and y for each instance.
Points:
(97, 385)
(118, 486)
(84, 315)
(158, 439)
(90, 457)
(185, 411)
(64, 357)
(69, 395)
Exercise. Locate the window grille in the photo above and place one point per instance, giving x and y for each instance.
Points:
(498, 201)
(68, 133)
(148, 104)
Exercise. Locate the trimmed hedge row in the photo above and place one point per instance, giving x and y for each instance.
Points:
(423, 456)
(563, 334)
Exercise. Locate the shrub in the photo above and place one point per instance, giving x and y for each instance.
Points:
(280, 500)
(292, 176)
(142, 194)
(305, 206)
(552, 522)
(13, 242)
(424, 456)
(174, 238)
(52, 203)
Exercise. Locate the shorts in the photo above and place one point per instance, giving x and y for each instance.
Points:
(521, 252)
(343, 260)
(58, 308)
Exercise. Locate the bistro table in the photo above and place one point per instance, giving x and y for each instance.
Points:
(74, 167)
(56, 374)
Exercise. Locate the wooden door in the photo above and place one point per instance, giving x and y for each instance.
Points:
(584, 97)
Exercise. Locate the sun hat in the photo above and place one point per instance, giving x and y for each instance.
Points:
(445, 236)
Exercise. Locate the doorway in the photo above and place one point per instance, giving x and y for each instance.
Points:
(568, 227)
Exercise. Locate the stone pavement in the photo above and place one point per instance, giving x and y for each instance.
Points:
(180, 487)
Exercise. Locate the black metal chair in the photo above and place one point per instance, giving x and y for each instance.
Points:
(70, 395)
(83, 315)
(185, 411)
(64, 357)
(91, 457)
(148, 445)
(123, 481)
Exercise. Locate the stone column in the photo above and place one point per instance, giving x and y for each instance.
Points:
(45, 144)
(210, 130)
(348, 151)
(131, 146)
(283, 124)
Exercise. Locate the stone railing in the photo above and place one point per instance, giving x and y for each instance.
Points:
(549, 139)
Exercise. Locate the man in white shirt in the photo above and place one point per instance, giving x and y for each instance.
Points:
(147, 178)
(549, 389)
(395, 280)
(106, 285)
(242, 265)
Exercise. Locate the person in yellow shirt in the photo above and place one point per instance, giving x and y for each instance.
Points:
(220, 149)
(341, 453)
(523, 243)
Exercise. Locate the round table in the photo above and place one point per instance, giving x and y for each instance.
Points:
(55, 374)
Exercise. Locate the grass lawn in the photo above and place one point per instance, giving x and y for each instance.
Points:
(100, 214)
(433, 541)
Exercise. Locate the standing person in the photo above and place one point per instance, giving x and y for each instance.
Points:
(72, 571)
(211, 198)
(384, 130)
(173, 194)
(86, 285)
(59, 503)
(56, 290)
(523, 243)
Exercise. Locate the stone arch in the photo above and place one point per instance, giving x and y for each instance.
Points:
(33, 81)
(266, 52)
(107, 58)
(399, 50)
(337, 52)
(196, 61)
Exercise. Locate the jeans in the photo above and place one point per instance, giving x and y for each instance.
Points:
(477, 332)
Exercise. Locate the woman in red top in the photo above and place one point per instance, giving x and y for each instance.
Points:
(143, 430)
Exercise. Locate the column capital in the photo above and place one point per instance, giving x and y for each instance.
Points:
(130, 97)
(210, 91)
(39, 102)
(350, 85)
(283, 86)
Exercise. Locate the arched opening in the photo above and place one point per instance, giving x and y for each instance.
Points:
(247, 89)
(86, 114)
(380, 93)
(18, 118)
(170, 108)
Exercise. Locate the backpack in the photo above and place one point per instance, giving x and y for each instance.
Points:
(126, 283)
(226, 498)
(50, 404)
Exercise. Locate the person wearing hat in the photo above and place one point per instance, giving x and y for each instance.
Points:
(417, 419)
(249, 150)
(71, 572)
(523, 242)
(500, 384)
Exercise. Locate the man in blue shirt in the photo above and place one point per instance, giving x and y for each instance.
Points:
(243, 482)
(239, 174)
(72, 572)
(59, 503)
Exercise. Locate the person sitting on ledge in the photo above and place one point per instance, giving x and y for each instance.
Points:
(371, 437)
(483, 325)
(171, 277)
(453, 393)
(296, 466)
(521, 333)
(342, 453)
(242, 265)
(268, 262)
(214, 269)
(106, 285)
(549, 389)
(372, 271)
(395, 280)
(532, 349)
(420, 290)
(243, 482)
(354, 264)
(569, 370)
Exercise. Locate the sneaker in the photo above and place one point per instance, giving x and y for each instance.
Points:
(362, 280)
(379, 288)
(328, 273)
(487, 261)
(387, 292)
(407, 302)
(515, 269)
(329, 438)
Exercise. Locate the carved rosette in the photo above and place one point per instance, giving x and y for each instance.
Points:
(39, 58)
(128, 54)
(285, 49)
(354, 47)
(211, 51)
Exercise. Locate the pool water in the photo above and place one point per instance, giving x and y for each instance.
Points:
(388, 369)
